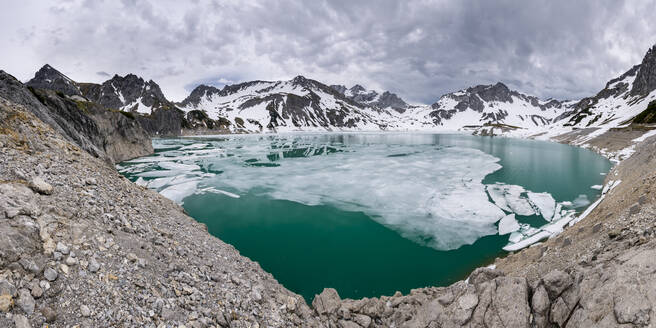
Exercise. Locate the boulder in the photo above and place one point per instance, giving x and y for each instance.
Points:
(555, 282)
(327, 302)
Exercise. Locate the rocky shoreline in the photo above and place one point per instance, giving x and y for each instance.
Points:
(83, 246)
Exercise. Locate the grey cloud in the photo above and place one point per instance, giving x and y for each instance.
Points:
(418, 49)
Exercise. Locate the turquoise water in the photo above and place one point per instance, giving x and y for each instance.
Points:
(367, 214)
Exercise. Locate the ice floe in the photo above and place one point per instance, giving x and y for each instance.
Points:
(545, 203)
(508, 224)
(180, 191)
(510, 198)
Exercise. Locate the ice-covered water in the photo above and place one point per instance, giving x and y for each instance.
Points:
(433, 194)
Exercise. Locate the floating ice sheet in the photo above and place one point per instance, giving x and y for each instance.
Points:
(508, 224)
(180, 191)
(545, 203)
(510, 198)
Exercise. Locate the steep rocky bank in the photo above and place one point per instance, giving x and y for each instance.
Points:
(82, 245)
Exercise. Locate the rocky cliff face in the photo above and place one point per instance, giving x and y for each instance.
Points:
(111, 135)
(645, 81)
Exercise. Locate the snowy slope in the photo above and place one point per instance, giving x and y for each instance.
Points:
(297, 104)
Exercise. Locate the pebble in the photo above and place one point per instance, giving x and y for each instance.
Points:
(25, 301)
(85, 311)
(37, 291)
(94, 266)
(70, 261)
(50, 274)
(61, 248)
(45, 285)
(20, 321)
(49, 314)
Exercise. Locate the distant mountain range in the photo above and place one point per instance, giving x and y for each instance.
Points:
(303, 104)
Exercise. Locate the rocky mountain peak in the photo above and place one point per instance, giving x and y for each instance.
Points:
(339, 88)
(129, 92)
(198, 93)
(388, 99)
(357, 89)
(47, 77)
(300, 80)
(645, 81)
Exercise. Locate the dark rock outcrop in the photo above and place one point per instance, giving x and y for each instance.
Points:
(645, 81)
(49, 78)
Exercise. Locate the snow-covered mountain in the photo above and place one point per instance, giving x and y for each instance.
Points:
(297, 104)
(305, 104)
(492, 106)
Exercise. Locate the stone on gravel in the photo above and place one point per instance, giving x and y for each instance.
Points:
(85, 311)
(25, 301)
(6, 302)
(94, 266)
(49, 314)
(62, 248)
(39, 185)
(20, 321)
(7, 288)
(50, 274)
(37, 291)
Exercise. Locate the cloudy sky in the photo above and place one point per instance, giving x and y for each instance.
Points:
(418, 49)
